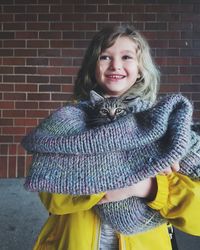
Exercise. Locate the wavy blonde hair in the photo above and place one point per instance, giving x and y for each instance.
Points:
(146, 86)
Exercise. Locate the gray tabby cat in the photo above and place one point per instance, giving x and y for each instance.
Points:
(106, 109)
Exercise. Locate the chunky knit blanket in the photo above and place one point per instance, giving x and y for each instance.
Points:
(69, 157)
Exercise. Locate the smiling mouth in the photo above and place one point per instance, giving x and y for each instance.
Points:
(115, 77)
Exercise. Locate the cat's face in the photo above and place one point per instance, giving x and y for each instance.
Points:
(106, 110)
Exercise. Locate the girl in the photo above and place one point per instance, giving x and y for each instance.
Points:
(118, 62)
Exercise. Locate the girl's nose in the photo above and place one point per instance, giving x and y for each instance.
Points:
(115, 64)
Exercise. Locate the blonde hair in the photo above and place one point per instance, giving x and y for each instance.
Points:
(146, 86)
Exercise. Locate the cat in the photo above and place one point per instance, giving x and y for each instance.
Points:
(106, 109)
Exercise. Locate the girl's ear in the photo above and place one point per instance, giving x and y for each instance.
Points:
(95, 97)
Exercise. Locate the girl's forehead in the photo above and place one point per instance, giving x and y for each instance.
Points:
(122, 44)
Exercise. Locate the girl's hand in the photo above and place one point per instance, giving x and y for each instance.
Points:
(174, 168)
(144, 189)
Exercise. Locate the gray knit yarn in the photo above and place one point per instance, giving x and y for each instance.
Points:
(69, 158)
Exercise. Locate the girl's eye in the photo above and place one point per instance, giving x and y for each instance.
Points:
(104, 57)
(126, 57)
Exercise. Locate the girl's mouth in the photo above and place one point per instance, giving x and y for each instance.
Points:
(115, 77)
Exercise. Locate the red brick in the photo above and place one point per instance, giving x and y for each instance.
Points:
(69, 71)
(155, 26)
(67, 88)
(196, 79)
(38, 44)
(14, 96)
(26, 122)
(84, 26)
(13, 61)
(48, 71)
(6, 70)
(20, 166)
(12, 164)
(14, 9)
(26, 35)
(37, 113)
(14, 26)
(61, 97)
(133, 8)
(25, 52)
(60, 62)
(157, 8)
(51, 105)
(6, 122)
(6, 52)
(38, 96)
(4, 166)
(12, 149)
(190, 88)
(169, 88)
(190, 70)
(50, 35)
(62, 8)
(13, 113)
(50, 88)
(61, 44)
(25, 70)
(26, 105)
(26, 17)
(61, 26)
(26, 88)
(6, 17)
(49, 52)
(37, 79)
(6, 87)
(73, 17)
(6, 139)
(37, 61)
(85, 8)
(38, 26)
(7, 105)
(49, 17)
(81, 43)
(37, 8)
(13, 43)
(73, 52)
(61, 79)
(3, 149)
(13, 130)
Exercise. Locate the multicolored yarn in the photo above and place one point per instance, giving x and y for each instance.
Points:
(70, 158)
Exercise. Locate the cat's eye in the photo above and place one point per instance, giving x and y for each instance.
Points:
(118, 110)
(104, 111)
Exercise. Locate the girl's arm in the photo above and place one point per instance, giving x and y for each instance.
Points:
(64, 204)
(178, 200)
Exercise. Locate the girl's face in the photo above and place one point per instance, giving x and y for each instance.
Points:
(117, 67)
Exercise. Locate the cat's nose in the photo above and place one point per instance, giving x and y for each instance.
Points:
(112, 118)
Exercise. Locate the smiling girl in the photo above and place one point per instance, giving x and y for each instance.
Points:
(118, 62)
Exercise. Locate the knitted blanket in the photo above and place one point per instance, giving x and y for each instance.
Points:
(70, 158)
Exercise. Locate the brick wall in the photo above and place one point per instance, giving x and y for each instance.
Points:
(42, 43)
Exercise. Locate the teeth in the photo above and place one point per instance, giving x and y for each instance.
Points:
(115, 76)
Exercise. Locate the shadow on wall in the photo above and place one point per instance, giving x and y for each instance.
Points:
(22, 216)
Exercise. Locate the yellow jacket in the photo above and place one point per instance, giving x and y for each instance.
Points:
(74, 226)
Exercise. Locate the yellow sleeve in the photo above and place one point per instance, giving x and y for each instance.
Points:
(64, 204)
(178, 200)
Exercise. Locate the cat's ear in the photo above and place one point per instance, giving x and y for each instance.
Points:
(95, 97)
(129, 100)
